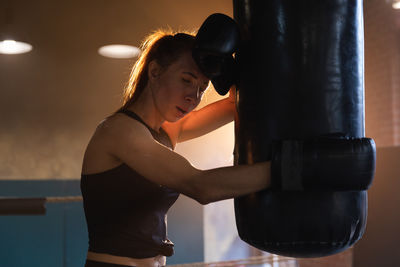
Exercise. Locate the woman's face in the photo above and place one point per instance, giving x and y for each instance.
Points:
(179, 88)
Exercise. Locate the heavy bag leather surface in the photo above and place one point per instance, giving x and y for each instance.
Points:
(301, 76)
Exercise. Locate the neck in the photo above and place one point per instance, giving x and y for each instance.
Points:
(146, 108)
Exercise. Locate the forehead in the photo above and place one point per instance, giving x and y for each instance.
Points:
(186, 63)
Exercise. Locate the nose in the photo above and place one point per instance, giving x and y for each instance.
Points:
(193, 96)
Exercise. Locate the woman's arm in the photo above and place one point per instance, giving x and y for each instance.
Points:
(135, 146)
(204, 120)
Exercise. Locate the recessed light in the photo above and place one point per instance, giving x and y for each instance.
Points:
(14, 47)
(119, 51)
(396, 5)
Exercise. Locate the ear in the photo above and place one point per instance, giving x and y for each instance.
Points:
(154, 70)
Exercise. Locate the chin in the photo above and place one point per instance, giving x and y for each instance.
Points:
(177, 118)
(173, 118)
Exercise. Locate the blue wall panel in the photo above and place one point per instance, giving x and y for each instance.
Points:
(25, 240)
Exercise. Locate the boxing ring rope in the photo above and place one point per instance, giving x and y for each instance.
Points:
(31, 206)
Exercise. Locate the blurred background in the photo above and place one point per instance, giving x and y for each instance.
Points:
(53, 97)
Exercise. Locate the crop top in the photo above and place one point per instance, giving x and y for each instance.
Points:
(125, 212)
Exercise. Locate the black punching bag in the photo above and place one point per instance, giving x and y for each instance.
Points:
(301, 71)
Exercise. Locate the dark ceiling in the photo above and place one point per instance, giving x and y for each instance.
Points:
(80, 26)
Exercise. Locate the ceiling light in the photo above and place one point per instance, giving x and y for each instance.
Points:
(396, 4)
(10, 33)
(14, 47)
(119, 51)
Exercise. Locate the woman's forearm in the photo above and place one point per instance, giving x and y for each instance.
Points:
(229, 182)
(207, 119)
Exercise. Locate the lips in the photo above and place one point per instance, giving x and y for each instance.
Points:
(181, 111)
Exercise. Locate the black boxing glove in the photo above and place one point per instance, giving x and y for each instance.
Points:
(215, 43)
(328, 163)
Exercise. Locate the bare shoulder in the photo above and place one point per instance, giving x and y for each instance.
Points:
(119, 125)
(111, 134)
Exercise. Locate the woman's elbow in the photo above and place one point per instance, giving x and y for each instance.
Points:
(197, 190)
(200, 195)
(203, 200)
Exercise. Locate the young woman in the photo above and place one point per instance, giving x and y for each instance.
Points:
(131, 176)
